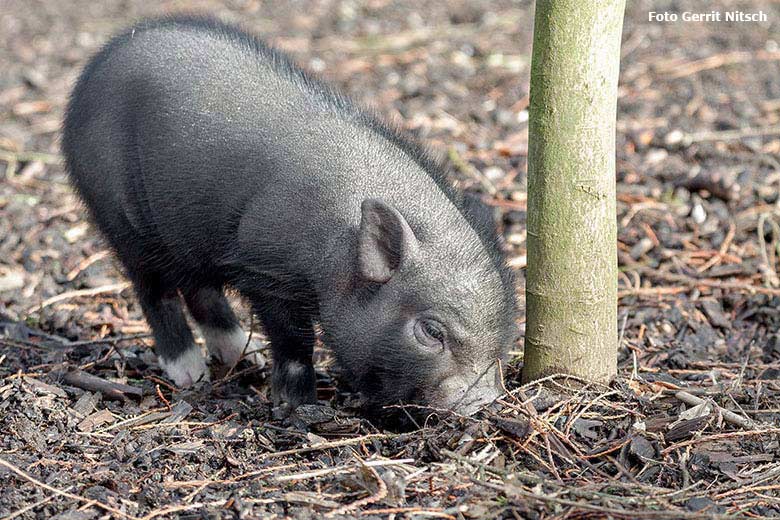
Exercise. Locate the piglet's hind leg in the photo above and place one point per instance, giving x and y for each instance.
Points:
(178, 355)
(225, 339)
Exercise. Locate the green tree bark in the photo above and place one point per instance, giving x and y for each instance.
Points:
(571, 288)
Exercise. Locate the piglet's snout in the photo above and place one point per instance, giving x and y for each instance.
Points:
(466, 396)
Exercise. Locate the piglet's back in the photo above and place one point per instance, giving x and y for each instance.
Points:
(185, 120)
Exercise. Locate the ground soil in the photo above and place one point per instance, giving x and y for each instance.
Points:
(690, 429)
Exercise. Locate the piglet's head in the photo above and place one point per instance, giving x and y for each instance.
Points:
(425, 321)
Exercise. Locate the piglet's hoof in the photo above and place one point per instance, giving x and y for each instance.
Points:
(254, 354)
(187, 369)
(231, 346)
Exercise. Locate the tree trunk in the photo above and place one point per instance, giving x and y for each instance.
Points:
(571, 289)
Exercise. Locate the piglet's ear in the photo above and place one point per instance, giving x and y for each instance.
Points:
(385, 240)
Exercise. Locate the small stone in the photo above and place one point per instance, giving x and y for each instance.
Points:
(674, 137)
(309, 414)
(698, 214)
(641, 247)
(522, 116)
(506, 118)
(11, 279)
(655, 156)
(714, 311)
(493, 173)
(75, 233)
(700, 504)
(641, 448)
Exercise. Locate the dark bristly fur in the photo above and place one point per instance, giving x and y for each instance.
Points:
(208, 159)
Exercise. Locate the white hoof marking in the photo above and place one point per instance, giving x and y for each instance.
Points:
(230, 346)
(187, 369)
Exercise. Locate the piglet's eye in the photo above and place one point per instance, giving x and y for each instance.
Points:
(429, 333)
